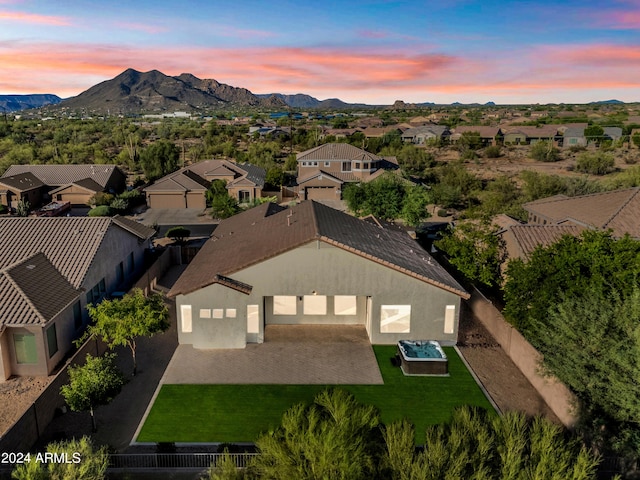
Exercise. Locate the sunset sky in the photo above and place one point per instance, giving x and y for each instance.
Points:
(374, 52)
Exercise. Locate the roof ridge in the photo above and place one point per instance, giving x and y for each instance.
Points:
(617, 212)
(22, 293)
(314, 217)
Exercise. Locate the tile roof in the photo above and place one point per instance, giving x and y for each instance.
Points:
(21, 182)
(86, 183)
(618, 210)
(136, 228)
(336, 151)
(484, 131)
(58, 175)
(33, 292)
(181, 181)
(252, 237)
(528, 237)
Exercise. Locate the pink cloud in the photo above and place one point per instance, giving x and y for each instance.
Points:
(34, 18)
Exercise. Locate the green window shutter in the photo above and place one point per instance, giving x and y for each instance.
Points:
(52, 340)
(25, 346)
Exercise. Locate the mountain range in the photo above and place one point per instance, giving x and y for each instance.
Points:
(13, 103)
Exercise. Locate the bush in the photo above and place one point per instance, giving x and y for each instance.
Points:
(597, 163)
(443, 213)
(3, 209)
(178, 234)
(101, 211)
(545, 152)
(101, 198)
(493, 151)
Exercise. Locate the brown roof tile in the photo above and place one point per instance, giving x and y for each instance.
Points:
(252, 237)
(58, 175)
(21, 182)
(336, 151)
(33, 292)
(528, 237)
(618, 210)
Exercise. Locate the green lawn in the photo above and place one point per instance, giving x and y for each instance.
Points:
(238, 413)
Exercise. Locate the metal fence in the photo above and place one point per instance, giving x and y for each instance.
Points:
(175, 460)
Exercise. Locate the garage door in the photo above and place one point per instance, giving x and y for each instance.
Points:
(321, 193)
(166, 201)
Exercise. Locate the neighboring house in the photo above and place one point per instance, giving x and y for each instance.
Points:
(73, 183)
(424, 134)
(488, 135)
(618, 210)
(311, 264)
(522, 239)
(379, 132)
(612, 133)
(323, 170)
(21, 187)
(528, 135)
(50, 269)
(187, 187)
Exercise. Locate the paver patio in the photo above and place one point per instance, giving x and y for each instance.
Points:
(291, 354)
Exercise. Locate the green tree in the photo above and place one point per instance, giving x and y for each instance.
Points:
(224, 206)
(178, 234)
(595, 163)
(567, 268)
(23, 208)
(85, 462)
(475, 250)
(414, 205)
(159, 159)
(635, 138)
(95, 383)
(594, 133)
(274, 178)
(545, 152)
(123, 321)
(470, 141)
(599, 361)
(333, 438)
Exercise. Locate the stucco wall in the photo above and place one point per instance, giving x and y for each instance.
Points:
(329, 271)
(527, 359)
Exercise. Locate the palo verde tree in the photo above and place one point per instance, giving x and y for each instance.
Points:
(83, 462)
(178, 234)
(123, 321)
(95, 383)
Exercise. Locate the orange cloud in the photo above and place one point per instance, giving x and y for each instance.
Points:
(34, 18)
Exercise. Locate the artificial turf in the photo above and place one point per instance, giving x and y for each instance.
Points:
(239, 413)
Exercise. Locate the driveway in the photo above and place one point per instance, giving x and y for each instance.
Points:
(291, 354)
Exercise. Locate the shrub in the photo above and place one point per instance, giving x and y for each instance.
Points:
(101, 211)
(178, 234)
(3, 209)
(596, 163)
(101, 198)
(119, 204)
(442, 212)
(545, 152)
(493, 151)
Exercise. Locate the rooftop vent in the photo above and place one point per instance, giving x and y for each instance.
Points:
(30, 267)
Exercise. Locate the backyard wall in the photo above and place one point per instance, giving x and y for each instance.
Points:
(527, 359)
(149, 279)
(27, 429)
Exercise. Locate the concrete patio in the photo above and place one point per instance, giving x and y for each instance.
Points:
(291, 354)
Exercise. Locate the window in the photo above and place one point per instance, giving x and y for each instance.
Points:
(205, 313)
(25, 346)
(357, 167)
(217, 313)
(231, 313)
(395, 318)
(344, 305)
(185, 313)
(366, 166)
(315, 164)
(244, 196)
(327, 164)
(52, 340)
(120, 273)
(346, 166)
(253, 319)
(131, 263)
(315, 305)
(449, 318)
(284, 305)
(77, 316)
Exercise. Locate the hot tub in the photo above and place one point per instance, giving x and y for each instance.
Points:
(422, 357)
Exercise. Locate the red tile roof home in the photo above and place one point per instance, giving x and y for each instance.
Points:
(267, 231)
(618, 210)
(522, 240)
(58, 175)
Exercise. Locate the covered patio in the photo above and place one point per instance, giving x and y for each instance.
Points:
(291, 354)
